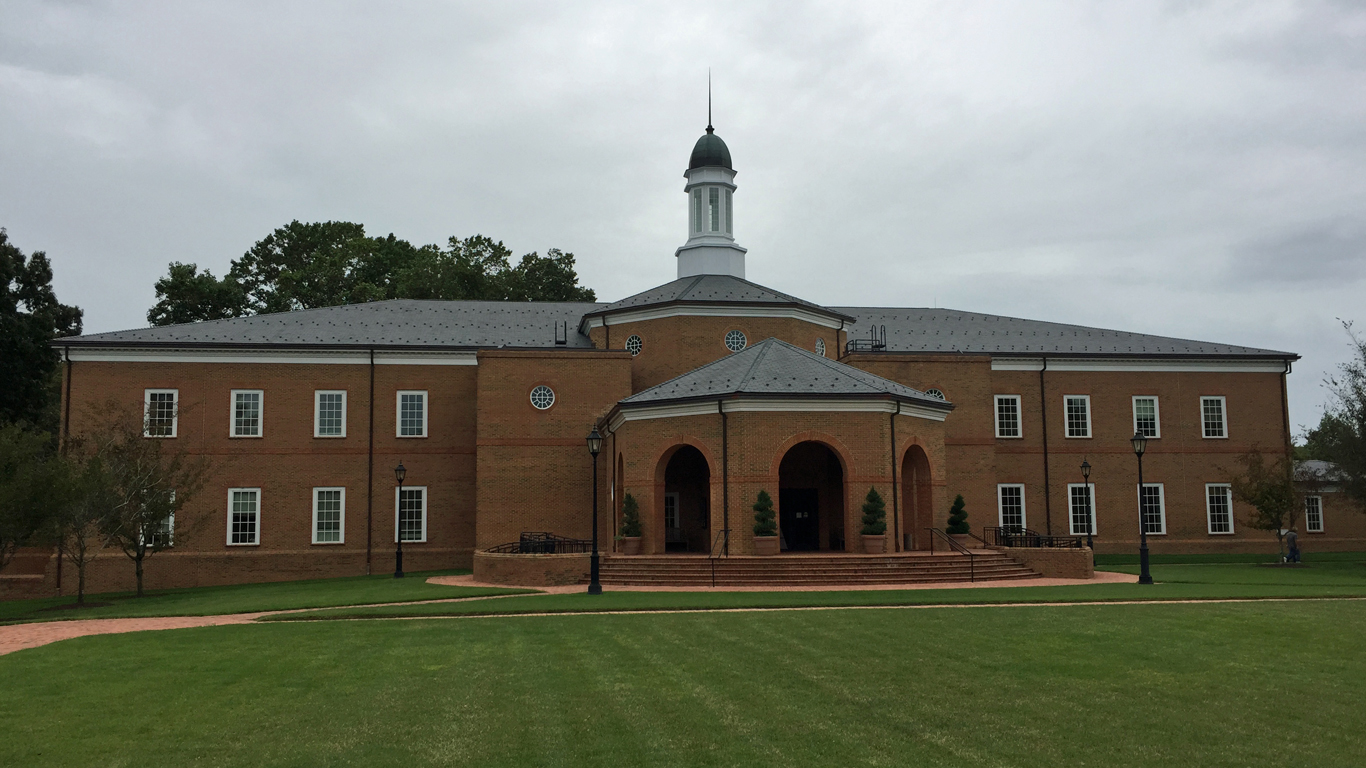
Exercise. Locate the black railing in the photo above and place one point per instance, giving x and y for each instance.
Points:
(1017, 536)
(542, 543)
(720, 537)
(954, 546)
(876, 341)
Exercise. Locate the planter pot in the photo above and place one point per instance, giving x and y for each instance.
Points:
(765, 545)
(875, 545)
(630, 545)
(962, 538)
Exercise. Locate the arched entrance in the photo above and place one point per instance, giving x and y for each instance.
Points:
(686, 512)
(917, 500)
(811, 499)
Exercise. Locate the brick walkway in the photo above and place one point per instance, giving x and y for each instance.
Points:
(17, 637)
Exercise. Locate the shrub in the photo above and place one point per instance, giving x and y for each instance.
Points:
(765, 522)
(958, 517)
(874, 514)
(630, 517)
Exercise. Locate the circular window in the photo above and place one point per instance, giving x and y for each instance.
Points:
(820, 347)
(735, 341)
(936, 394)
(634, 345)
(542, 397)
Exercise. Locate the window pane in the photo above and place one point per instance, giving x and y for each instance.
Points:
(161, 410)
(1220, 509)
(714, 208)
(1008, 417)
(1151, 508)
(1213, 411)
(1077, 425)
(330, 414)
(243, 517)
(1313, 514)
(1145, 416)
(697, 210)
(329, 512)
(410, 414)
(246, 416)
(410, 514)
(1012, 506)
(730, 218)
(1081, 510)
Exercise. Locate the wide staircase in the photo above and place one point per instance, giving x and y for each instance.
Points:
(808, 570)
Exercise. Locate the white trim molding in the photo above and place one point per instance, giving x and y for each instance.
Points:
(317, 412)
(398, 411)
(775, 405)
(1124, 365)
(260, 413)
(256, 517)
(268, 356)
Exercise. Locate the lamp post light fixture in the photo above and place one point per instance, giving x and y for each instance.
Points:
(399, 473)
(1090, 502)
(594, 447)
(1140, 443)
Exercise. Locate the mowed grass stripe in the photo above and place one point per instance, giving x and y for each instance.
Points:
(1211, 685)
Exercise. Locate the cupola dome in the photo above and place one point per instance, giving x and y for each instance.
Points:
(709, 150)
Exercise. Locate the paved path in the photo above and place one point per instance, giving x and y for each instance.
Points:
(1102, 577)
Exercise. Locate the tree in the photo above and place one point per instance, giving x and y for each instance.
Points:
(630, 517)
(147, 480)
(1269, 488)
(958, 517)
(874, 514)
(1340, 436)
(30, 318)
(27, 487)
(324, 264)
(86, 497)
(765, 521)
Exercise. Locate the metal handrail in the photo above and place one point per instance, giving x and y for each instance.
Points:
(543, 543)
(1018, 536)
(713, 557)
(954, 545)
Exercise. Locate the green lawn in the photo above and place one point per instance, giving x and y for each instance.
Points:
(1121, 685)
(1175, 582)
(243, 598)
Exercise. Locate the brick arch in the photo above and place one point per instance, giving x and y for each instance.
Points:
(657, 542)
(662, 456)
(848, 494)
(811, 436)
(917, 475)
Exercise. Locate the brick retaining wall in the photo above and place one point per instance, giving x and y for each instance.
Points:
(530, 570)
(1054, 563)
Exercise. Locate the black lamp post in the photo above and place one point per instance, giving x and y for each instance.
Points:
(399, 473)
(594, 447)
(1140, 443)
(1090, 502)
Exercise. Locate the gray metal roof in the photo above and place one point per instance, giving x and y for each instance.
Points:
(397, 323)
(776, 368)
(712, 289)
(951, 330)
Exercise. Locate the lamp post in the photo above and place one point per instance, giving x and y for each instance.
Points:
(399, 474)
(594, 447)
(1090, 502)
(1140, 443)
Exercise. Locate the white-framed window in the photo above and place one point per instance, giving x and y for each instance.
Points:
(160, 412)
(820, 347)
(1082, 508)
(247, 412)
(329, 413)
(410, 513)
(634, 344)
(1147, 420)
(1077, 412)
(1219, 508)
(1313, 514)
(244, 516)
(1152, 509)
(1010, 502)
(735, 340)
(163, 533)
(714, 208)
(329, 515)
(412, 413)
(1008, 416)
(542, 397)
(937, 394)
(670, 510)
(1214, 417)
(730, 217)
(697, 209)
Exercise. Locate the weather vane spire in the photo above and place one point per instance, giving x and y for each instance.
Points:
(709, 128)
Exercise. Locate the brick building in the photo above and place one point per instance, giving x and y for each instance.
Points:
(708, 389)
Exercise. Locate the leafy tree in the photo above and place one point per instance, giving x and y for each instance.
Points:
(765, 521)
(874, 514)
(146, 482)
(1269, 488)
(85, 498)
(630, 517)
(1340, 436)
(27, 486)
(302, 266)
(30, 317)
(958, 517)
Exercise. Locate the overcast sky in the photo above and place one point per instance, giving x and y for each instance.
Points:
(1187, 169)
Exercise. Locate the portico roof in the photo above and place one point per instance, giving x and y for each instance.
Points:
(713, 290)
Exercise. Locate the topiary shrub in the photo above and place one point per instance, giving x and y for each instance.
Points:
(765, 521)
(630, 517)
(874, 514)
(958, 517)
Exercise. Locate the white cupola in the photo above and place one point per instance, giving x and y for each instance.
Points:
(711, 248)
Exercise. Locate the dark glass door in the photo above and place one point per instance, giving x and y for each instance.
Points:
(799, 517)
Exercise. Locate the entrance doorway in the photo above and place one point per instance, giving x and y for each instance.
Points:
(917, 499)
(811, 499)
(687, 502)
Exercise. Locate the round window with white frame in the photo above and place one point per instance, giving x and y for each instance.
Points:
(542, 397)
(735, 341)
(820, 347)
(935, 393)
(634, 345)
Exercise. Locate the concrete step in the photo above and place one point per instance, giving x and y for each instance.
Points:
(807, 570)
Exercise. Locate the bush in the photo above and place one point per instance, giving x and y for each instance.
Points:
(958, 517)
(765, 522)
(630, 517)
(874, 514)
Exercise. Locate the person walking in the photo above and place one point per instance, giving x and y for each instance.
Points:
(1292, 540)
